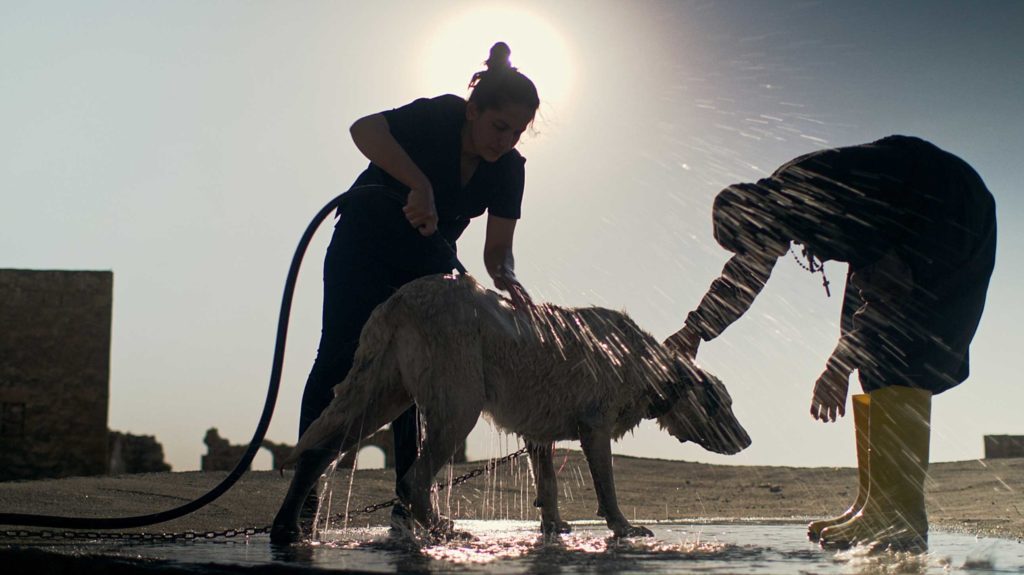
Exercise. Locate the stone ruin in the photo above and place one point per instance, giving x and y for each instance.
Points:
(1003, 446)
(135, 454)
(221, 455)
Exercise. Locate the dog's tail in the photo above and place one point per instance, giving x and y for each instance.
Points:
(370, 397)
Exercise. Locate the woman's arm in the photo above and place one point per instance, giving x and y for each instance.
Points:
(828, 401)
(372, 136)
(728, 298)
(499, 261)
(881, 283)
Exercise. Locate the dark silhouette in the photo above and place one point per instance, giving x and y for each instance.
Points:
(917, 227)
(135, 453)
(453, 160)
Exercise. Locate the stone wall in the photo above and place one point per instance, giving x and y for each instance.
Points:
(1000, 446)
(54, 372)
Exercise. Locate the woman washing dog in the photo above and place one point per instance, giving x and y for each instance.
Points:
(917, 227)
(455, 159)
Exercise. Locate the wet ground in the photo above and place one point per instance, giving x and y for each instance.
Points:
(966, 500)
(514, 547)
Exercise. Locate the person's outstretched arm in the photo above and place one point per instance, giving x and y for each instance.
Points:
(728, 298)
(499, 260)
(372, 136)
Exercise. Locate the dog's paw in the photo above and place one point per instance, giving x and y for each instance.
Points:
(458, 535)
(285, 534)
(445, 533)
(443, 529)
(628, 530)
(555, 527)
(401, 522)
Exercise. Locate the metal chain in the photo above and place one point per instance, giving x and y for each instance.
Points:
(47, 534)
(130, 537)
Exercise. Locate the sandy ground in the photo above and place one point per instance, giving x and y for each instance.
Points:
(980, 497)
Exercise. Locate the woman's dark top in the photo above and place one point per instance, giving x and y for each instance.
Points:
(430, 131)
(898, 195)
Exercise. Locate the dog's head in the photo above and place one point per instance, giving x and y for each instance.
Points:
(695, 406)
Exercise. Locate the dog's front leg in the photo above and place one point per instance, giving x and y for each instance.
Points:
(547, 488)
(597, 446)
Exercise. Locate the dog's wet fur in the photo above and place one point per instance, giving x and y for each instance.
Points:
(547, 373)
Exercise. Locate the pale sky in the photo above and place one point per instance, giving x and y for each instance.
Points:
(185, 146)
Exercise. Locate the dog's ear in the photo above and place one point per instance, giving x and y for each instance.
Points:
(662, 397)
(685, 403)
(712, 394)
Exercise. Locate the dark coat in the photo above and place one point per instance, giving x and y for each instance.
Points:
(899, 197)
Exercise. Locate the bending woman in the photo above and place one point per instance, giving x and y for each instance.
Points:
(917, 227)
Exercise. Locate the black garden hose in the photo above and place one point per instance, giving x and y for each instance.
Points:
(242, 466)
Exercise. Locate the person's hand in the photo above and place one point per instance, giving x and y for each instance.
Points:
(684, 342)
(520, 297)
(420, 211)
(829, 399)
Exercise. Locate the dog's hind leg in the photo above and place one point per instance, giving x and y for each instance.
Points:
(313, 461)
(444, 430)
(547, 488)
(597, 446)
(311, 464)
(357, 413)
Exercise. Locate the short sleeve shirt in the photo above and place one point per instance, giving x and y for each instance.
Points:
(430, 131)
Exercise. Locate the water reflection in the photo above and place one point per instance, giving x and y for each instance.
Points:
(514, 547)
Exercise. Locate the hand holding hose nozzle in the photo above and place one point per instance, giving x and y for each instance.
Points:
(419, 209)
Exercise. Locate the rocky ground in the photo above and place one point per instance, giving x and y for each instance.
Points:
(981, 497)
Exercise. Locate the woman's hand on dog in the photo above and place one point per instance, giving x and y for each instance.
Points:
(684, 342)
(517, 293)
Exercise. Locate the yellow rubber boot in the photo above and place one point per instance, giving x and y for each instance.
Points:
(894, 513)
(861, 404)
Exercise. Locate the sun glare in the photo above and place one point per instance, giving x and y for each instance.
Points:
(459, 45)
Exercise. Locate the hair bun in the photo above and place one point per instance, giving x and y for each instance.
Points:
(502, 83)
(500, 57)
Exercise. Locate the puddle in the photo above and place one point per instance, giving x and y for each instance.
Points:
(512, 547)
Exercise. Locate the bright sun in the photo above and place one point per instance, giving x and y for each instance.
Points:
(458, 47)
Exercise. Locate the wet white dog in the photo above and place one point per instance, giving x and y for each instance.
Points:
(457, 350)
